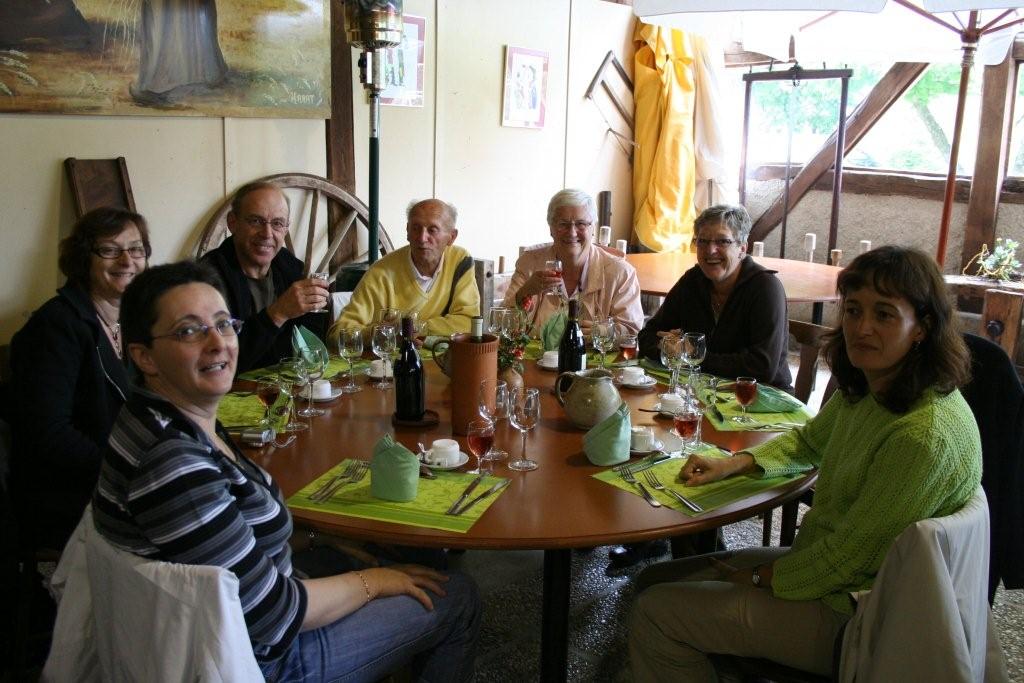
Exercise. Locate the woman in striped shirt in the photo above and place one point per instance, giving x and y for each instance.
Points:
(173, 487)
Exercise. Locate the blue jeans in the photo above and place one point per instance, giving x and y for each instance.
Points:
(385, 635)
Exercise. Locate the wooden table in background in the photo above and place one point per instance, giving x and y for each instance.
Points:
(555, 508)
(804, 282)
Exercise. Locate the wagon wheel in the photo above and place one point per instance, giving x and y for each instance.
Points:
(329, 242)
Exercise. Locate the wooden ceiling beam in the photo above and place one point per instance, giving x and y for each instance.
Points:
(885, 93)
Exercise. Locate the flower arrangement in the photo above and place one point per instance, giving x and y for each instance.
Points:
(513, 340)
(1000, 263)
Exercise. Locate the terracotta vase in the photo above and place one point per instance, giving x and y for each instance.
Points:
(513, 379)
(470, 363)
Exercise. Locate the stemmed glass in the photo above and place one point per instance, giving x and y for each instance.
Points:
(494, 409)
(554, 267)
(686, 421)
(513, 323)
(627, 345)
(314, 362)
(496, 320)
(602, 336)
(524, 416)
(480, 437)
(388, 316)
(746, 394)
(350, 347)
(694, 349)
(293, 375)
(268, 390)
(385, 344)
(324, 277)
(672, 358)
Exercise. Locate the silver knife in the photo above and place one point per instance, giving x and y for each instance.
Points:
(469, 489)
(648, 462)
(494, 489)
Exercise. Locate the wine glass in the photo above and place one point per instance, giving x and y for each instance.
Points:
(524, 416)
(480, 437)
(746, 394)
(672, 358)
(314, 362)
(627, 345)
(268, 390)
(384, 344)
(388, 316)
(293, 374)
(695, 348)
(494, 406)
(324, 277)
(496, 320)
(602, 336)
(554, 267)
(686, 421)
(350, 347)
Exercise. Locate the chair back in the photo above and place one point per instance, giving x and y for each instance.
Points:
(122, 617)
(809, 337)
(927, 616)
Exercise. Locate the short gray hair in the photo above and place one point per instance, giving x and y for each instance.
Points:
(247, 189)
(571, 197)
(733, 217)
(449, 213)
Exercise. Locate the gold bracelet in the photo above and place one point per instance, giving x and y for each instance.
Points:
(366, 587)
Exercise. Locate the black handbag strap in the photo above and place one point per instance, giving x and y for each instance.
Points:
(460, 270)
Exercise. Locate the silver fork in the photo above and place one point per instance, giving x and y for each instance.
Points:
(354, 478)
(656, 484)
(344, 474)
(627, 476)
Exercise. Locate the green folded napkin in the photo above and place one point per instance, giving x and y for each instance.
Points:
(772, 400)
(607, 442)
(552, 331)
(394, 471)
(655, 369)
(305, 343)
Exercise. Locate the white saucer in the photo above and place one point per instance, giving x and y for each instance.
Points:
(335, 393)
(664, 413)
(671, 444)
(544, 366)
(463, 459)
(647, 382)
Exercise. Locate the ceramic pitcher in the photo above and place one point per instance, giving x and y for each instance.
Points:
(591, 396)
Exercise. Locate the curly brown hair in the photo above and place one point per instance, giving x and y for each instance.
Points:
(75, 259)
(940, 361)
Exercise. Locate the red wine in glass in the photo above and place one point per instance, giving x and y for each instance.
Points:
(480, 443)
(746, 391)
(628, 352)
(268, 394)
(686, 424)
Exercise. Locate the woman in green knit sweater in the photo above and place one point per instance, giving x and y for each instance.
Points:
(896, 444)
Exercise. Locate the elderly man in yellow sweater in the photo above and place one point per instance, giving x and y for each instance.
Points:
(431, 276)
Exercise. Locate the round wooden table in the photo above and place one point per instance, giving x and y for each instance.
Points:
(555, 508)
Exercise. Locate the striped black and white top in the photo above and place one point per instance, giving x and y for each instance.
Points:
(166, 492)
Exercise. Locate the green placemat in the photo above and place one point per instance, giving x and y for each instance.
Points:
(433, 497)
(708, 496)
(731, 408)
(334, 366)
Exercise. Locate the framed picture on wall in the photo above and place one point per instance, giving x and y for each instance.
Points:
(403, 65)
(526, 85)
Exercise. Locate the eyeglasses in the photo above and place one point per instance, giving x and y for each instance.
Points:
(721, 243)
(190, 334)
(111, 252)
(568, 225)
(259, 222)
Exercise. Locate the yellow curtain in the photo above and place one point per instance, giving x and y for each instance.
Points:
(663, 165)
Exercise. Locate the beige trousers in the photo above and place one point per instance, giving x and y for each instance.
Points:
(684, 611)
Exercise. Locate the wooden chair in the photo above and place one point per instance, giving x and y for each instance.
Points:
(809, 337)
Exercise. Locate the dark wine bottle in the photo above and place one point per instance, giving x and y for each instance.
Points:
(410, 387)
(476, 329)
(572, 350)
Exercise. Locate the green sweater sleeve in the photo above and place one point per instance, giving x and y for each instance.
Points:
(798, 450)
(925, 465)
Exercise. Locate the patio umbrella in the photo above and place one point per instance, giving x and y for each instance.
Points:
(767, 28)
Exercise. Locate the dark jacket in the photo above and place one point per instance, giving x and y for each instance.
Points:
(752, 333)
(996, 398)
(261, 342)
(69, 386)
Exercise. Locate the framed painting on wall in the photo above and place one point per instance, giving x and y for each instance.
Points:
(526, 84)
(258, 58)
(403, 65)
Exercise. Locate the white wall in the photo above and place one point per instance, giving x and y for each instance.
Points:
(453, 147)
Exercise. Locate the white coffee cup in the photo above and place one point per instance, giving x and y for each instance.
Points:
(322, 388)
(632, 374)
(670, 402)
(550, 358)
(444, 452)
(641, 439)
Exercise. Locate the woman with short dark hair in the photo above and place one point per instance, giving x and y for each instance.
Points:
(67, 375)
(896, 444)
(174, 487)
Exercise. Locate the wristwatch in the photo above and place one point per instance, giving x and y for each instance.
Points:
(755, 576)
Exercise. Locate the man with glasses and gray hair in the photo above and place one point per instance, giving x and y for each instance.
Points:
(605, 284)
(739, 305)
(263, 281)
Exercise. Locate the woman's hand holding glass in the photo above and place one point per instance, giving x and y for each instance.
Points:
(384, 344)
(524, 416)
(350, 347)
